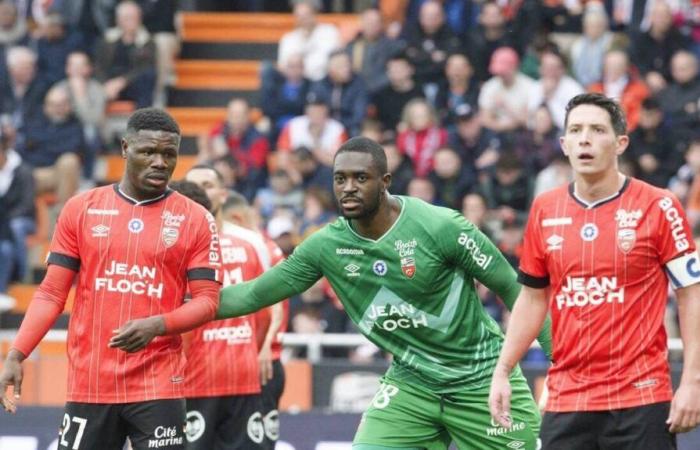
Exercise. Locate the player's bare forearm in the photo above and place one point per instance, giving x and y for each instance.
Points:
(276, 317)
(526, 320)
(689, 316)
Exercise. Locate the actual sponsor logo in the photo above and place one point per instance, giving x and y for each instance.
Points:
(626, 237)
(589, 232)
(194, 425)
(214, 245)
(349, 251)
(408, 266)
(100, 231)
(165, 437)
(255, 428)
(135, 225)
(581, 291)
(480, 258)
(678, 234)
(379, 267)
(554, 242)
(102, 212)
(556, 221)
(352, 270)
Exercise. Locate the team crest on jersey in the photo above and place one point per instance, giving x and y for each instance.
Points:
(408, 266)
(589, 232)
(135, 225)
(169, 236)
(626, 237)
(379, 267)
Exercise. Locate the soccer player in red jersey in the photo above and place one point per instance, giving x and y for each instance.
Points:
(270, 323)
(136, 247)
(222, 376)
(598, 254)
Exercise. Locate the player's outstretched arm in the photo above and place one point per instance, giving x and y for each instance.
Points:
(525, 323)
(685, 407)
(46, 305)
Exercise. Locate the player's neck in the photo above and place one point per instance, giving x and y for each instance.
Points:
(376, 226)
(592, 189)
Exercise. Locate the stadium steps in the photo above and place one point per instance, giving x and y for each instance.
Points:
(228, 50)
(217, 74)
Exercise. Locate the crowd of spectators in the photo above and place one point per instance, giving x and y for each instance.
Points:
(466, 96)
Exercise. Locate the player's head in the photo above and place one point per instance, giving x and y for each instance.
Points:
(594, 134)
(236, 209)
(150, 148)
(192, 191)
(360, 177)
(211, 181)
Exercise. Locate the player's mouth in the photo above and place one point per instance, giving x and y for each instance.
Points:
(350, 203)
(157, 179)
(585, 157)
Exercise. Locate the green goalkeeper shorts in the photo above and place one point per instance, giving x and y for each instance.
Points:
(409, 416)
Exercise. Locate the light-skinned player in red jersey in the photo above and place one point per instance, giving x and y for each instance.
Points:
(136, 247)
(599, 254)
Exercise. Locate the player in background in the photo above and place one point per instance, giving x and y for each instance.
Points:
(606, 246)
(136, 247)
(222, 385)
(404, 271)
(270, 323)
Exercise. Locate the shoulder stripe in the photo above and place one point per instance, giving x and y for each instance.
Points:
(62, 260)
(201, 273)
(532, 281)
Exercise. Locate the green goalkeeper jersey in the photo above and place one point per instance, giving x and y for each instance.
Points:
(411, 292)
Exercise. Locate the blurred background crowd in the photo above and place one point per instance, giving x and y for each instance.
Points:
(466, 96)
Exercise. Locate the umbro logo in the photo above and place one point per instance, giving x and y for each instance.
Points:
(515, 444)
(352, 270)
(100, 231)
(554, 242)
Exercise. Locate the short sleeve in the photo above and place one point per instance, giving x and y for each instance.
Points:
(674, 237)
(205, 256)
(533, 265)
(467, 247)
(64, 250)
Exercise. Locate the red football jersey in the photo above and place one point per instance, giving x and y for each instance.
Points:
(263, 317)
(605, 266)
(133, 260)
(222, 356)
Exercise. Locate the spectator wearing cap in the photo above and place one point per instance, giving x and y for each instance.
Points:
(619, 83)
(389, 102)
(651, 147)
(282, 230)
(237, 138)
(554, 88)
(652, 50)
(283, 92)
(345, 91)
(503, 99)
(460, 88)
(315, 41)
(477, 146)
(125, 58)
(422, 136)
(315, 130)
(371, 49)
(18, 218)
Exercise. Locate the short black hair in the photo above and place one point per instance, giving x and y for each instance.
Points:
(235, 199)
(154, 119)
(617, 116)
(651, 103)
(192, 191)
(361, 144)
(209, 167)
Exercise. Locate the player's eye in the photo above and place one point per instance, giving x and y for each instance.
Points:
(362, 178)
(339, 179)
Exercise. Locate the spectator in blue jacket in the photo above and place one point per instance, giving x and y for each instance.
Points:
(53, 45)
(52, 146)
(345, 91)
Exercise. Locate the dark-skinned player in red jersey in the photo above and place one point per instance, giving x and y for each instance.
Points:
(136, 247)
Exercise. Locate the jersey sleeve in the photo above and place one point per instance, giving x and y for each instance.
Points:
(675, 246)
(64, 250)
(533, 266)
(290, 277)
(205, 256)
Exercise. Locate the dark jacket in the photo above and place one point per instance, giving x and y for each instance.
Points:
(46, 141)
(369, 59)
(420, 47)
(352, 107)
(18, 201)
(650, 55)
(279, 102)
(141, 56)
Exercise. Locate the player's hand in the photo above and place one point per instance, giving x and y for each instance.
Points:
(265, 362)
(499, 397)
(11, 376)
(544, 396)
(136, 334)
(685, 408)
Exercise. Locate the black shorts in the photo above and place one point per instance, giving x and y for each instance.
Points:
(155, 424)
(225, 423)
(271, 393)
(641, 427)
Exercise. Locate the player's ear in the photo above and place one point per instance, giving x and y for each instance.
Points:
(622, 143)
(125, 147)
(386, 179)
(562, 144)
